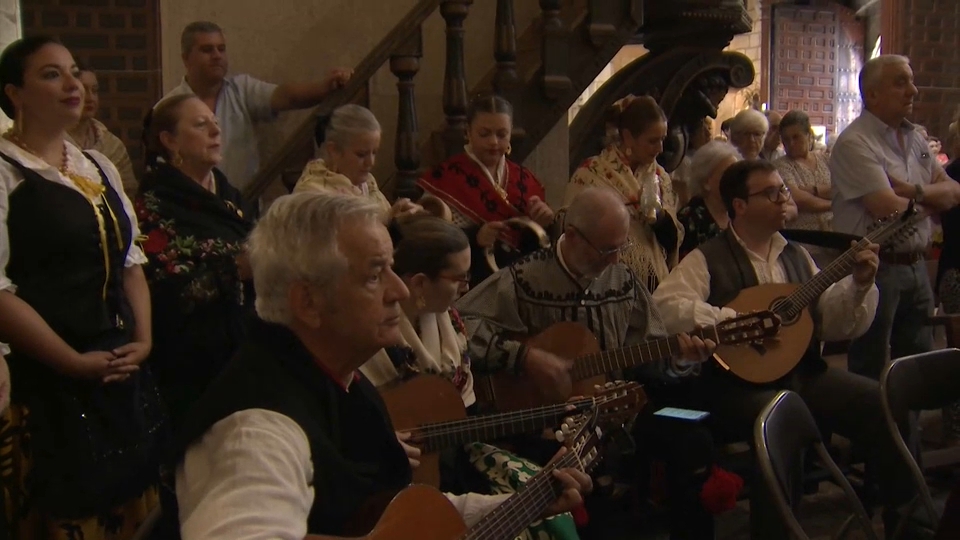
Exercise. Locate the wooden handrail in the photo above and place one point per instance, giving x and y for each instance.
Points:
(361, 76)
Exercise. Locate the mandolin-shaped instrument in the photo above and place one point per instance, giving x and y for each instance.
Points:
(764, 361)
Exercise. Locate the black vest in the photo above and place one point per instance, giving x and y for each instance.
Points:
(731, 272)
(57, 262)
(353, 446)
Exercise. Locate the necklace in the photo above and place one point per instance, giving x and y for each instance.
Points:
(94, 192)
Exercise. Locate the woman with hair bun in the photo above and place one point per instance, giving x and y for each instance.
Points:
(636, 128)
(484, 189)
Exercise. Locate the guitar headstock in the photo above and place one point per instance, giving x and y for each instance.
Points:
(896, 227)
(582, 438)
(747, 328)
(618, 402)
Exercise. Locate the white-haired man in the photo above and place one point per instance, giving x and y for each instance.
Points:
(240, 101)
(291, 439)
(879, 163)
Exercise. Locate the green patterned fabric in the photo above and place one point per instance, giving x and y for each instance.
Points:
(506, 473)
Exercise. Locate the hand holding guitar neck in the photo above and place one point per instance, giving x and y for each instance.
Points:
(413, 453)
(549, 372)
(694, 350)
(576, 483)
(865, 265)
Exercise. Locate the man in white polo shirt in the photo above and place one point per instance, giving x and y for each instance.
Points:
(240, 101)
(879, 163)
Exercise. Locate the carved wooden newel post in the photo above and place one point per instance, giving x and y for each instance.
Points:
(555, 51)
(506, 81)
(455, 78)
(404, 64)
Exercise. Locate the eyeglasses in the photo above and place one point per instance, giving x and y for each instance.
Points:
(604, 253)
(462, 279)
(773, 193)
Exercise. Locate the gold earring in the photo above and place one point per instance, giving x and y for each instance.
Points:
(421, 302)
(177, 159)
(18, 122)
(628, 151)
(509, 148)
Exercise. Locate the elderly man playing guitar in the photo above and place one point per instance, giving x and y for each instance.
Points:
(582, 280)
(291, 440)
(752, 252)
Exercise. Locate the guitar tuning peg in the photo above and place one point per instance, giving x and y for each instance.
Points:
(560, 436)
(597, 388)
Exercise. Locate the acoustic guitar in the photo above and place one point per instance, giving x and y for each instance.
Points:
(421, 512)
(768, 360)
(430, 408)
(509, 392)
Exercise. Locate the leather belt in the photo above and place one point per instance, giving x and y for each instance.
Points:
(909, 257)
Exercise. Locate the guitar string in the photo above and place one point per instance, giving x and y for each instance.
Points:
(517, 512)
(436, 429)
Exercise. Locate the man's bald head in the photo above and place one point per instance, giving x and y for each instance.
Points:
(595, 208)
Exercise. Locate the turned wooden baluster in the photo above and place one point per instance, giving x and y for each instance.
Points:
(604, 16)
(404, 64)
(455, 78)
(506, 81)
(555, 51)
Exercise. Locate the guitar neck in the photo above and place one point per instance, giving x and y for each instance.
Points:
(595, 364)
(441, 435)
(524, 507)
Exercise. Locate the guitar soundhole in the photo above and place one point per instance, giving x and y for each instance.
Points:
(786, 310)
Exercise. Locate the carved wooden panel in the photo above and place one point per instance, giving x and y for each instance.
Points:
(804, 71)
(850, 59)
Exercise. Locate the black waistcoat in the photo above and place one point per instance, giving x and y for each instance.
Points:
(353, 447)
(731, 271)
(57, 263)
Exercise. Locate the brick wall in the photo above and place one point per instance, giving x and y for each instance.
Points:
(928, 32)
(120, 41)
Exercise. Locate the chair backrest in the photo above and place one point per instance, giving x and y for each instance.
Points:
(783, 433)
(924, 381)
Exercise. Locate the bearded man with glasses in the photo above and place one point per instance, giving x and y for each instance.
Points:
(583, 280)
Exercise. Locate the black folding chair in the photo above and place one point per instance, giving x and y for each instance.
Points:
(920, 382)
(783, 433)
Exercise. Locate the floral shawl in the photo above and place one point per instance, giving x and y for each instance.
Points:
(317, 177)
(648, 259)
(192, 241)
(437, 345)
(468, 189)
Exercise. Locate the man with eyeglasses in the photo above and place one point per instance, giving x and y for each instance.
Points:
(752, 252)
(582, 280)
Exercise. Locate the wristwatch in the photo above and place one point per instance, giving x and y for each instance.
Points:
(918, 196)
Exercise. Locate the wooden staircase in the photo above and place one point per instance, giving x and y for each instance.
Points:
(542, 70)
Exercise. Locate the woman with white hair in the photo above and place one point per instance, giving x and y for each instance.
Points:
(748, 131)
(349, 140)
(705, 216)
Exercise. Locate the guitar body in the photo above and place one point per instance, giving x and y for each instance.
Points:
(770, 359)
(425, 399)
(417, 513)
(509, 392)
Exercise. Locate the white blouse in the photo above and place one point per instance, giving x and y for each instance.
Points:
(10, 179)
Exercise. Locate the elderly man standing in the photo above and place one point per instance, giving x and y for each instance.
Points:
(878, 165)
(291, 439)
(240, 101)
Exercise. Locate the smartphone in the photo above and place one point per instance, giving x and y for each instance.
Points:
(690, 415)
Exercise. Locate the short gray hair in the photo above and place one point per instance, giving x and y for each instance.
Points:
(872, 72)
(296, 240)
(347, 121)
(197, 27)
(749, 118)
(705, 160)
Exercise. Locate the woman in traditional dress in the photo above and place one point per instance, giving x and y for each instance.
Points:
(90, 134)
(82, 436)
(194, 240)
(432, 257)
(636, 128)
(484, 189)
(349, 141)
(705, 216)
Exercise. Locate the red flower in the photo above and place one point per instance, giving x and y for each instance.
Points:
(156, 242)
(719, 492)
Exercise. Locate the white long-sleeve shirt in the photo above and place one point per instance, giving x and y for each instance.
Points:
(250, 478)
(846, 308)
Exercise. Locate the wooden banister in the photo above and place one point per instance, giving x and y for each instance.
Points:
(361, 76)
